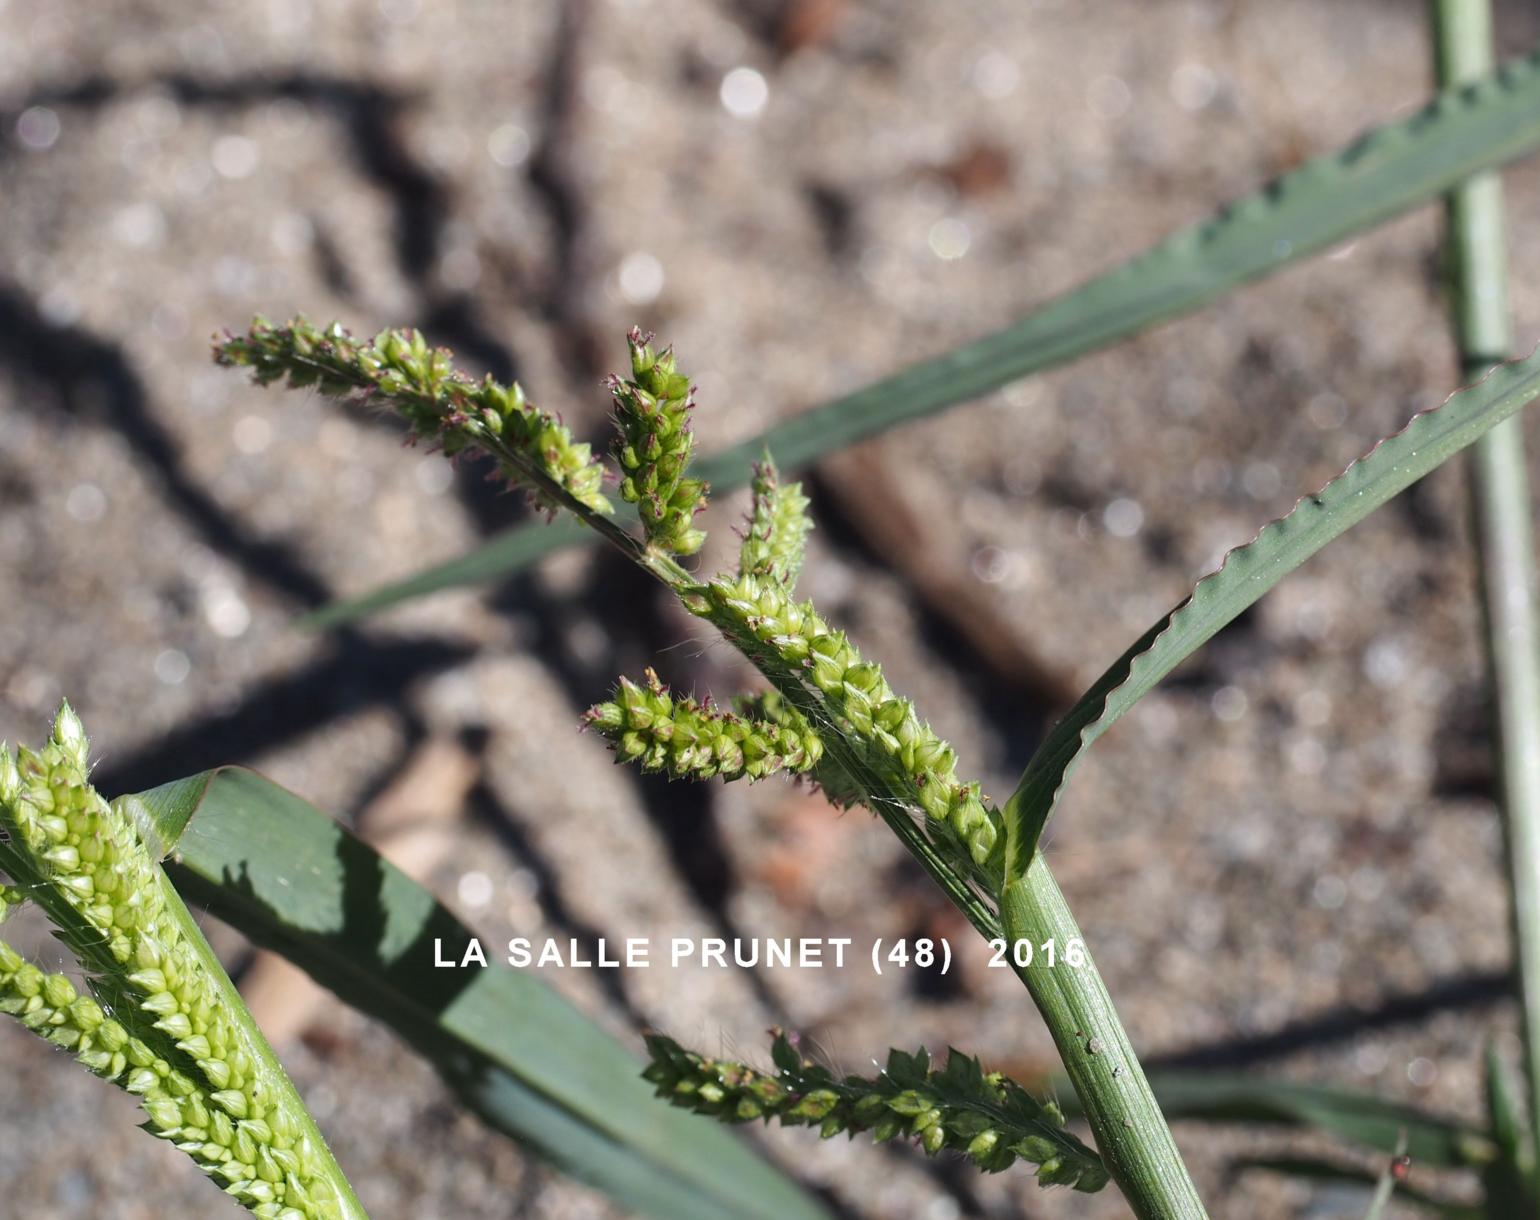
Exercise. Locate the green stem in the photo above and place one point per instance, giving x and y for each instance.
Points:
(1500, 500)
(1131, 1133)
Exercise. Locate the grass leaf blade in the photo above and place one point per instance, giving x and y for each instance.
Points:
(1248, 572)
(294, 880)
(1317, 1170)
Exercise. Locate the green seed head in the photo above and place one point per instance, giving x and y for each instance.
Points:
(654, 445)
(759, 615)
(776, 535)
(956, 1107)
(690, 740)
(531, 447)
(87, 866)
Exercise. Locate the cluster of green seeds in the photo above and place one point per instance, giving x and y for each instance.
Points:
(207, 1081)
(50, 1007)
(654, 446)
(532, 448)
(648, 725)
(755, 607)
(760, 614)
(832, 716)
(987, 1117)
(839, 786)
(776, 537)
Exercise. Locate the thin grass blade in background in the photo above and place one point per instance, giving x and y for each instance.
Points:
(295, 881)
(1359, 1118)
(1509, 1181)
(1386, 1186)
(1316, 1170)
(1323, 202)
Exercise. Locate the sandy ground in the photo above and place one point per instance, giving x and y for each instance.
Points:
(1284, 859)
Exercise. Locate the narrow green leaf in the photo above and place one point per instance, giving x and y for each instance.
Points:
(503, 554)
(1248, 572)
(1323, 202)
(1509, 1179)
(1360, 1118)
(294, 880)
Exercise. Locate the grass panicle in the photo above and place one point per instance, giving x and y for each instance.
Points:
(871, 748)
(901, 760)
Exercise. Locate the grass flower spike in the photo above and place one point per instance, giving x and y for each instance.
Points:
(987, 1117)
(50, 1007)
(691, 740)
(654, 446)
(531, 447)
(776, 537)
(793, 645)
(839, 787)
(165, 1022)
(761, 616)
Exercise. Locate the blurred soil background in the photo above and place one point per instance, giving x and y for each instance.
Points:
(1285, 860)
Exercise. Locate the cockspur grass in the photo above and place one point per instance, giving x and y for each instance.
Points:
(832, 715)
(987, 1117)
(160, 1019)
(872, 746)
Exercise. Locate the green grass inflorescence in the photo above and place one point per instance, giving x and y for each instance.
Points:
(163, 1021)
(986, 1116)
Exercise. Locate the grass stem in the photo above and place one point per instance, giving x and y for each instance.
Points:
(1500, 500)
(1131, 1133)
